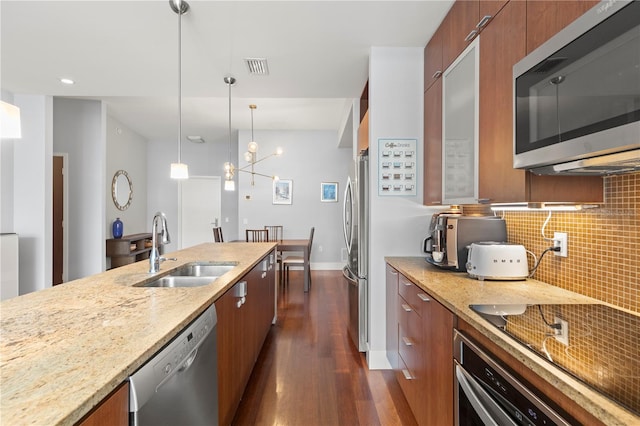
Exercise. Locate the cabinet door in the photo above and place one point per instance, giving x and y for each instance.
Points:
(230, 354)
(113, 410)
(433, 144)
(392, 316)
(433, 59)
(503, 44)
(438, 323)
(459, 25)
(546, 17)
(460, 128)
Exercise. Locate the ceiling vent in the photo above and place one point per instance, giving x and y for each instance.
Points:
(257, 66)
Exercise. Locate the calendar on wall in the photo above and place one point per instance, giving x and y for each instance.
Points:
(397, 167)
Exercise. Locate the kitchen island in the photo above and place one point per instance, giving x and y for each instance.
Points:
(456, 291)
(64, 349)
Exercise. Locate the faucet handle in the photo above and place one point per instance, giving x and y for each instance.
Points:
(162, 259)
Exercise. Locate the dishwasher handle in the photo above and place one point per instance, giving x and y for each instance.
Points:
(483, 404)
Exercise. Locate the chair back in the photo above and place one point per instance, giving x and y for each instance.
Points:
(217, 235)
(257, 235)
(311, 240)
(275, 232)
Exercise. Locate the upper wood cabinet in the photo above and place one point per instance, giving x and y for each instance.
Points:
(433, 144)
(465, 20)
(545, 18)
(514, 27)
(433, 59)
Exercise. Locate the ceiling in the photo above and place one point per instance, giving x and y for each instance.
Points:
(126, 53)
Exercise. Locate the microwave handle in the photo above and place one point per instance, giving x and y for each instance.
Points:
(483, 404)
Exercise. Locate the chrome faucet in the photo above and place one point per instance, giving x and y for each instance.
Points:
(154, 257)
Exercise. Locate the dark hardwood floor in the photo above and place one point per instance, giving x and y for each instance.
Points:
(310, 373)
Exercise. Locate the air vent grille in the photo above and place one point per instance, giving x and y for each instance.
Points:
(257, 66)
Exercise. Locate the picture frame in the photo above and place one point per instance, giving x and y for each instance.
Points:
(282, 191)
(329, 192)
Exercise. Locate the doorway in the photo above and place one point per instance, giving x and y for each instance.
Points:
(200, 208)
(59, 206)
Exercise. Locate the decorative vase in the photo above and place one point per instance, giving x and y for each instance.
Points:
(117, 228)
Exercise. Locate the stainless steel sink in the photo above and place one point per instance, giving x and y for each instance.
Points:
(203, 269)
(194, 274)
(180, 281)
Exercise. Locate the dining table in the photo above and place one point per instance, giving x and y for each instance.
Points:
(298, 245)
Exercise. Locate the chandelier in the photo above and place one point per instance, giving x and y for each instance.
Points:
(251, 156)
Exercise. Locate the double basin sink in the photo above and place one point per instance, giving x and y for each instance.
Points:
(194, 274)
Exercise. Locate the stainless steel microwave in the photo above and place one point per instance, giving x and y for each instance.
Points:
(577, 96)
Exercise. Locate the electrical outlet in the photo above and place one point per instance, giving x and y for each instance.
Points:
(320, 248)
(562, 334)
(560, 240)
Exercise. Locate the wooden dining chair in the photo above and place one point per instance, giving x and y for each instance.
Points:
(217, 235)
(257, 235)
(275, 235)
(275, 232)
(289, 261)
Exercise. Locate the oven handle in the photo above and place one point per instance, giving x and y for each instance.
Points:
(481, 401)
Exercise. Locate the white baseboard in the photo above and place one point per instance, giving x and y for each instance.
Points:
(327, 266)
(377, 360)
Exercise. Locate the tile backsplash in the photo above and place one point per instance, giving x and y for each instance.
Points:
(603, 244)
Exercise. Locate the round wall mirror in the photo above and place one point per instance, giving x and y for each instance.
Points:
(121, 190)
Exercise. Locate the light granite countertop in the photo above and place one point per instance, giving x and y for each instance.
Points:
(64, 349)
(457, 291)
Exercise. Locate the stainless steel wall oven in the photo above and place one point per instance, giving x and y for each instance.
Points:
(487, 394)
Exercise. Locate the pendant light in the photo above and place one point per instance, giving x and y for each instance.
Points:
(251, 156)
(179, 170)
(229, 183)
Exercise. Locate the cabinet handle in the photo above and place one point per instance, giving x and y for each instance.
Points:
(407, 283)
(264, 274)
(424, 297)
(436, 74)
(406, 307)
(407, 341)
(471, 35)
(406, 374)
(485, 19)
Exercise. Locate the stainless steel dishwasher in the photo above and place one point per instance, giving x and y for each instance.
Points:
(179, 385)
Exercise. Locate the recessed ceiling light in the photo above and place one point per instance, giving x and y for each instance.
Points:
(67, 81)
(196, 139)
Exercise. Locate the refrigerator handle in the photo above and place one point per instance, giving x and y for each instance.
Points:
(347, 191)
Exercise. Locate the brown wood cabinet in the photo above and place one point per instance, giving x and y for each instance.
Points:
(392, 316)
(128, 249)
(112, 411)
(424, 342)
(545, 18)
(243, 324)
(515, 27)
(433, 144)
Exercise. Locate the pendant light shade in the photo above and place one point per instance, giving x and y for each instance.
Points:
(9, 121)
(179, 170)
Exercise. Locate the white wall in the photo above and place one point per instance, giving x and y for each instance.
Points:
(397, 224)
(32, 199)
(205, 159)
(79, 130)
(126, 150)
(309, 158)
(6, 175)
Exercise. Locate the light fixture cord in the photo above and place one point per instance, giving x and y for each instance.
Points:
(229, 122)
(179, 4)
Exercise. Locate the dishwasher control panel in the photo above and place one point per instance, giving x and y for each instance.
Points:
(178, 352)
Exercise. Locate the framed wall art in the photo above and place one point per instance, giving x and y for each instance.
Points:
(282, 191)
(329, 192)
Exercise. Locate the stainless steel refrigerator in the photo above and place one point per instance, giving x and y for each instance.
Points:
(356, 236)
